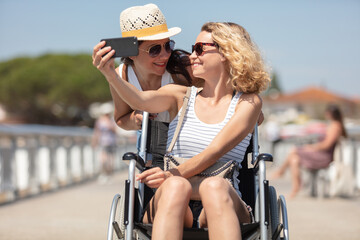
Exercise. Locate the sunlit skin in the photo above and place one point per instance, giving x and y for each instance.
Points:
(224, 208)
(149, 72)
(147, 67)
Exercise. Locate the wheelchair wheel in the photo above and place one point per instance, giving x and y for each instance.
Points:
(116, 228)
(274, 213)
(121, 215)
(283, 217)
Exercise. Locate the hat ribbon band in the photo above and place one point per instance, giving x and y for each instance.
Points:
(146, 31)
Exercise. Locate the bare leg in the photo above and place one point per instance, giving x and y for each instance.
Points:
(169, 210)
(295, 175)
(223, 209)
(280, 172)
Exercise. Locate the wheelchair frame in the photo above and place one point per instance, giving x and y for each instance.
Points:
(267, 207)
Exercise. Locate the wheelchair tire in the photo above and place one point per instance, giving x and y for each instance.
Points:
(121, 215)
(116, 222)
(274, 213)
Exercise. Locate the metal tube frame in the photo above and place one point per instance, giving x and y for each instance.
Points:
(132, 167)
(261, 187)
(130, 225)
(144, 130)
(112, 216)
(283, 208)
(263, 223)
(143, 155)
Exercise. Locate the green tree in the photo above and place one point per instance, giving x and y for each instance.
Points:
(275, 84)
(52, 89)
(274, 88)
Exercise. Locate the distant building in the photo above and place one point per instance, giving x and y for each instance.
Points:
(312, 101)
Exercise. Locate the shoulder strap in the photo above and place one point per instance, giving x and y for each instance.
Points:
(181, 118)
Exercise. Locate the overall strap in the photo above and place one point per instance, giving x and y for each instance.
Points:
(180, 120)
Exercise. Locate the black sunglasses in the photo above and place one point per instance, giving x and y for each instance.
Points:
(199, 47)
(155, 50)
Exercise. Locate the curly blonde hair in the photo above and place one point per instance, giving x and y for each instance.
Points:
(247, 70)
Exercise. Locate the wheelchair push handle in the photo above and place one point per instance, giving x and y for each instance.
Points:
(140, 164)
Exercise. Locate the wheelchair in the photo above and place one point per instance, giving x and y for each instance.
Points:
(270, 212)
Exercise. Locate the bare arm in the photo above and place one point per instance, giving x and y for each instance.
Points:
(130, 119)
(165, 99)
(122, 112)
(333, 133)
(239, 126)
(124, 116)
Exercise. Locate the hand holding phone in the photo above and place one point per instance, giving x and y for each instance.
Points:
(124, 47)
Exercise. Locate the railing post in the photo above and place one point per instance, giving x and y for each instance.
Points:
(53, 179)
(7, 156)
(67, 144)
(37, 158)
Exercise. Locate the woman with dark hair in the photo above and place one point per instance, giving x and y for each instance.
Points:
(314, 156)
(156, 65)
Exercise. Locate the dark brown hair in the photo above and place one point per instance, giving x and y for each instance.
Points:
(177, 63)
(336, 115)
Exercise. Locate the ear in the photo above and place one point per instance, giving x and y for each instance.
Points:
(222, 57)
(132, 57)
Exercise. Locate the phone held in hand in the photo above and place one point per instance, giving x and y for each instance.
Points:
(124, 46)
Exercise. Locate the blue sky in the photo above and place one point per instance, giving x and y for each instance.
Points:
(307, 43)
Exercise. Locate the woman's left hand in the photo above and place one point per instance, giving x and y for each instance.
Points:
(153, 177)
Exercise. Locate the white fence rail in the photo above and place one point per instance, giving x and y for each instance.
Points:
(35, 158)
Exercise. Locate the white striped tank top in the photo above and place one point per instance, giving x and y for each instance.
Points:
(196, 135)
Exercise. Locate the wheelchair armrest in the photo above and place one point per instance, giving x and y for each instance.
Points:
(263, 157)
(140, 164)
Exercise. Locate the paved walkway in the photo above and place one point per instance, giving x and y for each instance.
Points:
(81, 212)
(78, 212)
(326, 218)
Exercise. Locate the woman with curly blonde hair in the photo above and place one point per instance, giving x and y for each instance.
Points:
(245, 64)
(217, 126)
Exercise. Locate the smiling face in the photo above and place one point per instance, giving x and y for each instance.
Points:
(210, 62)
(152, 65)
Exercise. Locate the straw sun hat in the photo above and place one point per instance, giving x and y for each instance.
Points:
(146, 23)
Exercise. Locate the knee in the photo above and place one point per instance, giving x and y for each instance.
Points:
(177, 188)
(293, 156)
(295, 160)
(293, 152)
(214, 188)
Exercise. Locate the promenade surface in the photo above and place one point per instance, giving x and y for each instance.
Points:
(81, 212)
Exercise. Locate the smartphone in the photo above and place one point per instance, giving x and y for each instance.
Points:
(124, 47)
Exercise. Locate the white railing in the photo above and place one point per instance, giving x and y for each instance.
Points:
(36, 158)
